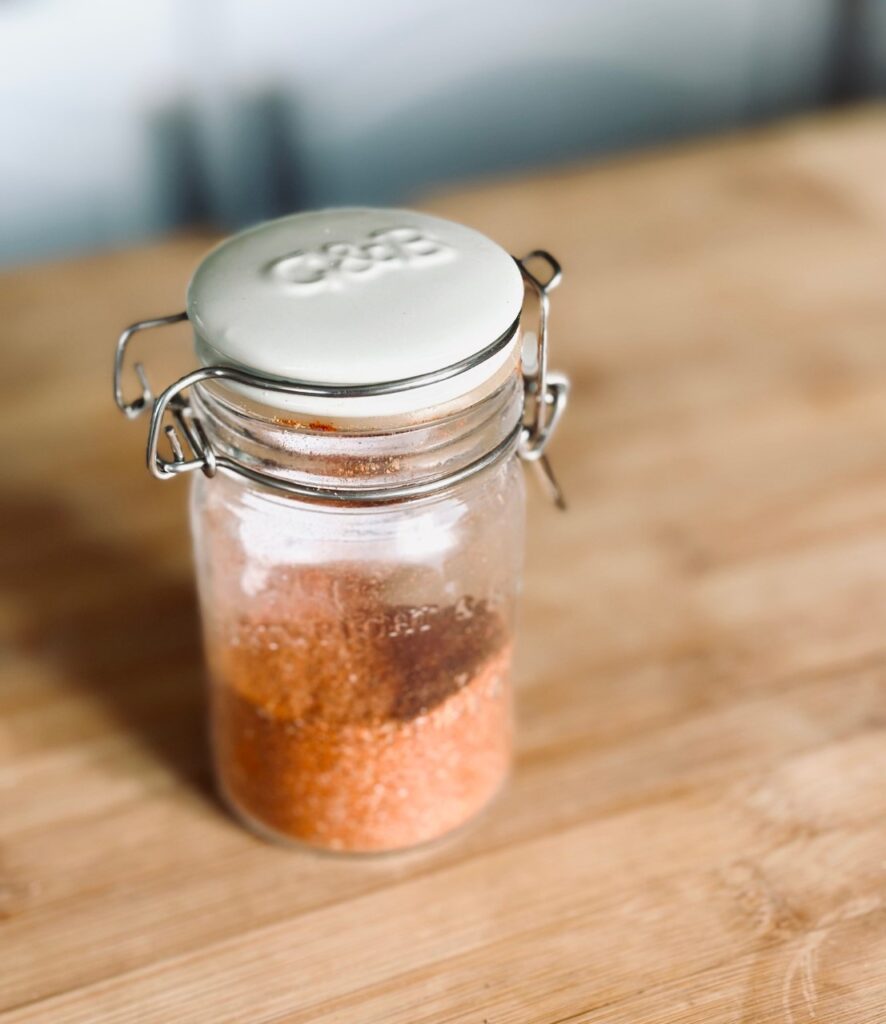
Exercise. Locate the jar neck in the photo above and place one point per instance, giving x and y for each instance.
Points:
(363, 457)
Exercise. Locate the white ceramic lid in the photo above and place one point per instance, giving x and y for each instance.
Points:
(358, 297)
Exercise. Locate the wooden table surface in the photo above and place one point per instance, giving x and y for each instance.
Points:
(696, 831)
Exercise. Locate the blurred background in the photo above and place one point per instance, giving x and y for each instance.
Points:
(122, 121)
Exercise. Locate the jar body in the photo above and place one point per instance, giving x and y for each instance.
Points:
(359, 656)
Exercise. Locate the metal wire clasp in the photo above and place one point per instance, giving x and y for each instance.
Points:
(138, 405)
(172, 415)
(546, 392)
(171, 400)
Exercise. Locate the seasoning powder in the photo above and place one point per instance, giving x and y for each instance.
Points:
(347, 722)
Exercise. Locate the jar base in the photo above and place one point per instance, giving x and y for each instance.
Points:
(271, 835)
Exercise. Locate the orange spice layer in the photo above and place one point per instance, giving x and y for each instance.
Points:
(374, 728)
(381, 786)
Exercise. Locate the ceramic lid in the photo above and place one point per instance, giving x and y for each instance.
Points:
(356, 297)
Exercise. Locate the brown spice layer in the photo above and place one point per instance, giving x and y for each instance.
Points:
(345, 722)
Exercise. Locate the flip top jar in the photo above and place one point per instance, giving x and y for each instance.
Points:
(357, 513)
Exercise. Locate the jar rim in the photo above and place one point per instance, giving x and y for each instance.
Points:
(369, 464)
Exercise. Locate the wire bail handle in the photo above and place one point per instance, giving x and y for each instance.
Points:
(191, 449)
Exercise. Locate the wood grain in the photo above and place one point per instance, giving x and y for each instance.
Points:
(696, 829)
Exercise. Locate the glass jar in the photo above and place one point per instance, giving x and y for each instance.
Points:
(358, 550)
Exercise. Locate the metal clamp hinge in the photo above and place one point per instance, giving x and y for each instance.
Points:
(546, 392)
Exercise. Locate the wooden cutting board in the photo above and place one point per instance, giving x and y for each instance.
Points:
(696, 830)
